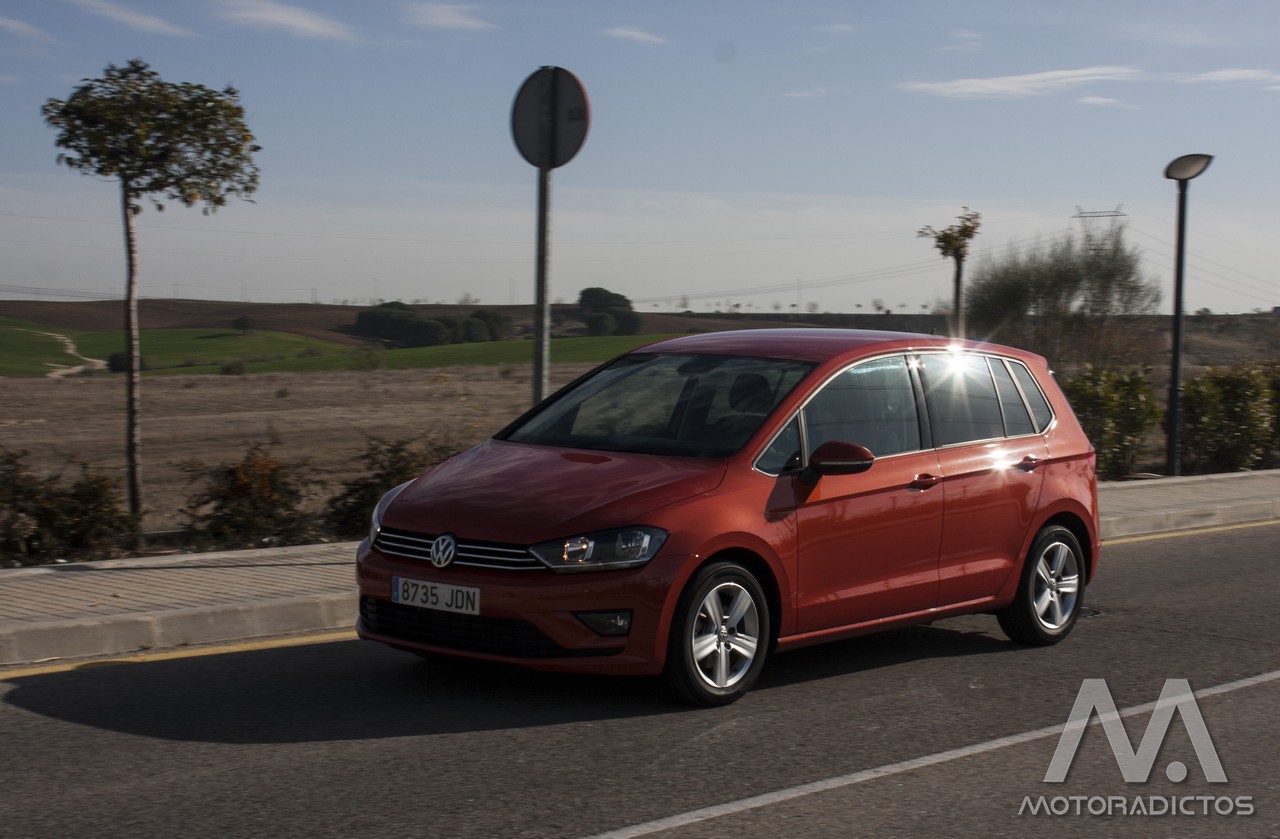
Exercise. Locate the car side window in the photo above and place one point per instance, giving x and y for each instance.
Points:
(1016, 419)
(783, 454)
(872, 404)
(1040, 409)
(962, 399)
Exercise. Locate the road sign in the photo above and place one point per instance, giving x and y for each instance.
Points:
(550, 117)
(549, 123)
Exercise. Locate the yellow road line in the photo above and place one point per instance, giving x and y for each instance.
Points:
(1199, 531)
(178, 652)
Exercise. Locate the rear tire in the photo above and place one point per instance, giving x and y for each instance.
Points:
(1050, 591)
(720, 636)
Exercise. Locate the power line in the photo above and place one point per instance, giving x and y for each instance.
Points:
(414, 240)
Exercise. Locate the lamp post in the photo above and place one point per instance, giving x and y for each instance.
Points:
(1182, 170)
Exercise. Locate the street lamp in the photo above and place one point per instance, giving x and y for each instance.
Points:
(1182, 170)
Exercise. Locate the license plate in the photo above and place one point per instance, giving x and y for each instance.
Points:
(439, 596)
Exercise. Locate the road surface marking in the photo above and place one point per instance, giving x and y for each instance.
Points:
(177, 652)
(1198, 531)
(767, 799)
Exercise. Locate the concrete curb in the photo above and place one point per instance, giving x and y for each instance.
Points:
(116, 634)
(275, 603)
(1116, 527)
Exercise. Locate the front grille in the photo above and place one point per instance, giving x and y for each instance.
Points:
(470, 633)
(475, 554)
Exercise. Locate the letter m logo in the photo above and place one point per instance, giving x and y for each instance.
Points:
(1135, 766)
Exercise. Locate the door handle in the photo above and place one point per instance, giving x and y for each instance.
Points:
(1027, 463)
(924, 481)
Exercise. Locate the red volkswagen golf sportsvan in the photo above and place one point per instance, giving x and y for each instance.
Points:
(695, 505)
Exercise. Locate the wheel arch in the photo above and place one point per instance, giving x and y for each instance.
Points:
(763, 572)
(1078, 529)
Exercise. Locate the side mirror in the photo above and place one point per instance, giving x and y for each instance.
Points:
(836, 457)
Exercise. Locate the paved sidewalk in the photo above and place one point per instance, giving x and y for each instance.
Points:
(127, 605)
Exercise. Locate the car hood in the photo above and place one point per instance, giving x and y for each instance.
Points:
(526, 494)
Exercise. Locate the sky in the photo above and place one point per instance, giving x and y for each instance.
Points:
(760, 155)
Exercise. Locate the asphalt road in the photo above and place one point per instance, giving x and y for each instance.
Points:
(351, 739)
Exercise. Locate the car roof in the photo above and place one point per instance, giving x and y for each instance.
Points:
(808, 344)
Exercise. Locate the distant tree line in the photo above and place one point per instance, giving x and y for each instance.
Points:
(398, 323)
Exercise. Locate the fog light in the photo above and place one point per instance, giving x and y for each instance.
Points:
(607, 623)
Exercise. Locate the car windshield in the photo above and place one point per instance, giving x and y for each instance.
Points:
(668, 404)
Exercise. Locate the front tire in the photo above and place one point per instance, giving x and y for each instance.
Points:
(720, 636)
(1050, 592)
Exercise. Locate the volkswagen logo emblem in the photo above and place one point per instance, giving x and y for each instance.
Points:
(443, 550)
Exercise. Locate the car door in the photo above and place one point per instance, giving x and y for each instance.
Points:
(868, 543)
(990, 456)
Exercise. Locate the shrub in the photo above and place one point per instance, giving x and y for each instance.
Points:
(253, 503)
(601, 323)
(495, 321)
(234, 368)
(387, 464)
(1227, 418)
(475, 331)
(1116, 410)
(627, 321)
(41, 520)
(1272, 374)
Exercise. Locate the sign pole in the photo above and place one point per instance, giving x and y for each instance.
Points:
(542, 305)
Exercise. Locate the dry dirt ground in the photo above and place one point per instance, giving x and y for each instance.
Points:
(324, 418)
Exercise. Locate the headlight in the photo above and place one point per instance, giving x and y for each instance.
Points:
(606, 551)
(376, 524)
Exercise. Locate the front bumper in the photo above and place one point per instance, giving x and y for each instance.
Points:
(526, 618)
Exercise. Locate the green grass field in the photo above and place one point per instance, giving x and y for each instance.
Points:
(25, 352)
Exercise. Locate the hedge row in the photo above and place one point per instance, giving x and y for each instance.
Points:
(1228, 418)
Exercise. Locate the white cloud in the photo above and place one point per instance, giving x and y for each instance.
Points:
(836, 29)
(133, 20)
(1268, 79)
(1017, 87)
(24, 30)
(269, 14)
(630, 33)
(814, 93)
(446, 16)
(8, 79)
(1101, 101)
(965, 40)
